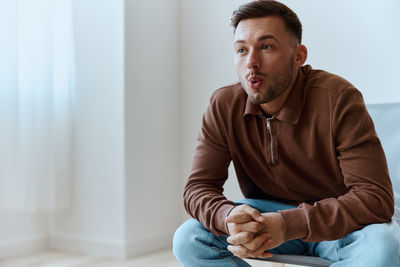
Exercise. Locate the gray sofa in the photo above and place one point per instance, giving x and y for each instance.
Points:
(386, 118)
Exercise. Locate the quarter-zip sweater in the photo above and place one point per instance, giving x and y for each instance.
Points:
(320, 152)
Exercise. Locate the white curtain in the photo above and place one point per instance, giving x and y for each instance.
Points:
(36, 103)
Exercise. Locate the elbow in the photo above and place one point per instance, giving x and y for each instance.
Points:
(379, 206)
(386, 210)
(390, 211)
(390, 204)
(186, 202)
(187, 196)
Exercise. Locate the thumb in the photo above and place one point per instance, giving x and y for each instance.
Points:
(263, 218)
(254, 213)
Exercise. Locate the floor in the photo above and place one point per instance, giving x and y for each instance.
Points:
(163, 258)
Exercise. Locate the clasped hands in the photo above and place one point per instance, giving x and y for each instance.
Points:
(252, 233)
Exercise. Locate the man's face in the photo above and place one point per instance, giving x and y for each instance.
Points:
(264, 57)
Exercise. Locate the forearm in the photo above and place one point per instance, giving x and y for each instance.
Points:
(333, 218)
(203, 194)
(208, 205)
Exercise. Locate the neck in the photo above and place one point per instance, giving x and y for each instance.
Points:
(275, 105)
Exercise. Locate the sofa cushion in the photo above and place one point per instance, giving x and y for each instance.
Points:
(386, 118)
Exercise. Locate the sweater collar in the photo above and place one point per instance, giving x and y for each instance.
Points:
(291, 110)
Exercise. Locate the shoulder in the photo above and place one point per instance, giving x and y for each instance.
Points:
(228, 103)
(229, 96)
(327, 90)
(228, 93)
(330, 83)
(327, 94)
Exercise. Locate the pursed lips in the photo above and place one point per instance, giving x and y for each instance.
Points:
(255, 82)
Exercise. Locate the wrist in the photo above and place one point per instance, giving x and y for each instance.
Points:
(294, 224)
(228, 211)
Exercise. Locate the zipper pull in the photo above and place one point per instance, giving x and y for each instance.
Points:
(271, 144)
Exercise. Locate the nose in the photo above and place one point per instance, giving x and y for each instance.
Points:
(253, 60)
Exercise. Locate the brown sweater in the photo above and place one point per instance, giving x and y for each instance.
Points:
(320, 153)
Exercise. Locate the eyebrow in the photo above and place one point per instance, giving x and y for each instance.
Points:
(261, 38)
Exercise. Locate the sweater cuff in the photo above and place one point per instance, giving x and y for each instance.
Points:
(219, 220)
(294, 223)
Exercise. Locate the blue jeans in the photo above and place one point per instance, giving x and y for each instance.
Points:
(376, 245)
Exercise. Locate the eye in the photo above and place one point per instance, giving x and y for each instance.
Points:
(266, 47)
(240, 50)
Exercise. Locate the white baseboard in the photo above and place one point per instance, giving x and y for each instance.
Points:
(23, 246)
(109, 249)
(87, 246)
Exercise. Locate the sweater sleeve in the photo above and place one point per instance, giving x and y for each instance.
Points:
(203, 193)
(369, 198)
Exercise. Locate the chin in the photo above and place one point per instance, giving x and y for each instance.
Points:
(259, 100)
(256, 99)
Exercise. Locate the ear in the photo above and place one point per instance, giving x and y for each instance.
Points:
(301, 55)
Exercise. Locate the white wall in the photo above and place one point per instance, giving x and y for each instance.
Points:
(153, 182)
(21, 231)
(95, 221)
(126, 185)
(356, 39)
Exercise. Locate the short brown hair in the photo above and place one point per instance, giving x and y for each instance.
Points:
(265, 8)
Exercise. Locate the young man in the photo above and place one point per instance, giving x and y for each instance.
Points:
(305, 152)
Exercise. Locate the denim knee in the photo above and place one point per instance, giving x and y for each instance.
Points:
(384, 240)
(194, 245)
(378, 244)
(179, 243)
(188, 240)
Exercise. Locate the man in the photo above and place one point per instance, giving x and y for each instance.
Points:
(305, 152)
